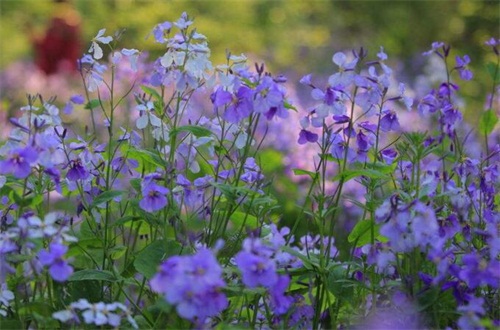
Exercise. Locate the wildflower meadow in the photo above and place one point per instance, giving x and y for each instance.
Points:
(154, 195)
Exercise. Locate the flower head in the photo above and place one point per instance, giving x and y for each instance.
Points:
(99, 38)
(59, 269)
(154, 198)
(18, 162)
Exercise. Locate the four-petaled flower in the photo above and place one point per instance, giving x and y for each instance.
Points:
(59, 269)
(99, 38)
(18, 162)
(154, 198)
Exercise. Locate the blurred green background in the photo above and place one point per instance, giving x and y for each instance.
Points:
(289, 35)
(292, 37)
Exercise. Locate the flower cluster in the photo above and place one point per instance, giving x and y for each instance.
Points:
(392, 228)
(193, 284)
(98, 314)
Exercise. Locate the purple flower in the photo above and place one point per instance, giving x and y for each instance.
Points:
(77, 99)
(159, 31)
(59, 269)
(363, 141)
(302, 315)
(255, 263)
(269, 98)
(256, 269)
(154, 198)
(307, 136)
(252, 171)
(493, 43)
(340, 147)
(477, 271)
(461, 66)
(19, 162)
(388, 155)
(436, 47)
(346, 73)
(306, 80)
(280, 303)
(193, 284)
(77, 171)
(389, 121)
(238, 106)
(470, 314)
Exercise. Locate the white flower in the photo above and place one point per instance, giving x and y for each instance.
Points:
(63, 316)
(133, 55)
(95, 48)
(147, 116)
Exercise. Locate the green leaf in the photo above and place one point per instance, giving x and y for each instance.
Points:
(105, 197)
(361, 233)
(241, 218)
(308, 262)
(492, 70)
(117, 252)
(21, 201)
(339, 285)
(487, 121)
(298, 171)
(92, 104)
(351, 174)
(197, 131)
(148, 260)
(92, 275)
(147, 156)
(11, 324)
(152, 92)
(271, 160)
(428, 298)
(382, 168)
(289, 106)
(126, 219)
(136, 184)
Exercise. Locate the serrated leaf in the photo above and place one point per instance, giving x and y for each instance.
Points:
(92, 104)
(105, 197)
(487, 121)
(92, 275)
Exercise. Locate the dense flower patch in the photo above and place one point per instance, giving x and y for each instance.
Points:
(155, 211)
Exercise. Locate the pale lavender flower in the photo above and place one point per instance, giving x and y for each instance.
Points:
(160, 30)
(99, 314)
(6, 296)
(99, 38)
